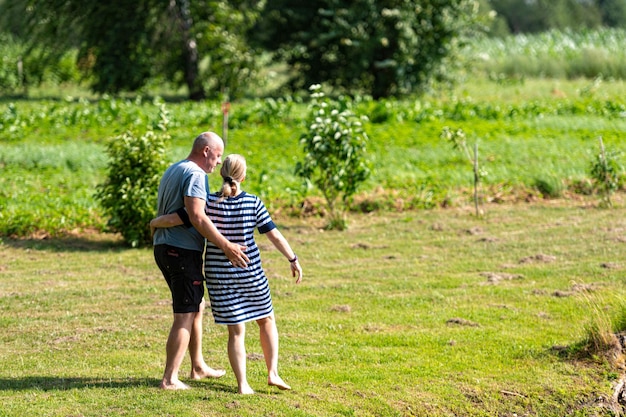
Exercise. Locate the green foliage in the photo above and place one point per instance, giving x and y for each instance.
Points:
(20, 69)
(112, 39)
(549, 186)
(262, 111)
(74, 117)
(541, 15)
(376, 47)
(128, 196)
(382, 48)
(520, 16)
(209, 39)
(232, 64)
(53, 151)
(459, 142)
(334, 146)
(613, 12)
(607, 173)
(122, 46)
(604, 333)
(116, 52)
(10, 53)
(458, 139)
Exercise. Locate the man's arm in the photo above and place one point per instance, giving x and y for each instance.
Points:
(204, 225)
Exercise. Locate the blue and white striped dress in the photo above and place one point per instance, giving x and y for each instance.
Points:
(237, 295)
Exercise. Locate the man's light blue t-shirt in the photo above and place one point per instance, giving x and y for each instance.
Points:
(183, 179)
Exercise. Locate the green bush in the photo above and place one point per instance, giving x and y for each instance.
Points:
(334, 147)
(129, 194)
(549, 186)
(607, 173)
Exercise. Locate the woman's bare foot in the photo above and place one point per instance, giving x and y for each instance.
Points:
(276, 381)
(207, 372)
(173, 385)
(246, 390)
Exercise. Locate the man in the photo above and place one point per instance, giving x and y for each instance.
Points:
(178, 252)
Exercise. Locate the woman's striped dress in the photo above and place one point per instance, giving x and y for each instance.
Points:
(237, 295)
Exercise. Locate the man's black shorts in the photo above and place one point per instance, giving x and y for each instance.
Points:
(182, 269)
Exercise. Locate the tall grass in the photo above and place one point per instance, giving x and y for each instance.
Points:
(554, 54)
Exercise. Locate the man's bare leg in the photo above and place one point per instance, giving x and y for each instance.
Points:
(199, 368)
(237, 356)
(269, 343)
(175, 348)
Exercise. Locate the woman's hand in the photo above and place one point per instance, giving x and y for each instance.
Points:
(296, 270)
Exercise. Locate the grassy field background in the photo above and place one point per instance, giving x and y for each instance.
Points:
(420, 308)
(429, 313)
(53, 153)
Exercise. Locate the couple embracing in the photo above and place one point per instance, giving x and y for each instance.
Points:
(238, 288)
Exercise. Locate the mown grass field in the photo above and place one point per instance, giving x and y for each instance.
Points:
(423, 313)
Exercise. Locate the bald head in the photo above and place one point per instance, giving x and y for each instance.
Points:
(210, 139)
(207, 151)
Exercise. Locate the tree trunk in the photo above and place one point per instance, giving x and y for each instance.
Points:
(190, 49)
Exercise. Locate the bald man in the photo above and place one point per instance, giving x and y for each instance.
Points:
(178, 251)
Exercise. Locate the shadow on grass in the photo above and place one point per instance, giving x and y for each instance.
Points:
(51, 383)
(88, 241)
(85, 243)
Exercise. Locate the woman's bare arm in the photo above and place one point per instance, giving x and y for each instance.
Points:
(166, 220)
(279, 241)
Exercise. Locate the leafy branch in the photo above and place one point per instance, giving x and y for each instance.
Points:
(459, 142)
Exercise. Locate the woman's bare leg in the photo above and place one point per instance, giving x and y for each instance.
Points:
(269, 342)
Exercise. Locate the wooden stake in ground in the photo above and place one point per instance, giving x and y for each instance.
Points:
(225, 110)
(476, 179)
(605, 170)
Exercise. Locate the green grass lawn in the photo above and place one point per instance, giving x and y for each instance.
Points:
(427, 313)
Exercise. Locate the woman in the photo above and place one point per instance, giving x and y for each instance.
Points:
(240, 295)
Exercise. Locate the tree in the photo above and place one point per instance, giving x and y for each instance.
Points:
(116, 44)
(123, 44)
(613, 12)
(214, 53)
(381, 47)
(334, 160)
(180, 13)
(232, 64)
(524, 16)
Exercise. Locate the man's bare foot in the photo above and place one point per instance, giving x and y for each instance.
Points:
(173, 385)
(207, 373)
(277, 381)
